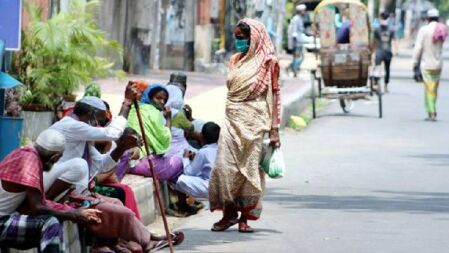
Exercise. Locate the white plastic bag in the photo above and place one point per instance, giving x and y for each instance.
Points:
(273, 163)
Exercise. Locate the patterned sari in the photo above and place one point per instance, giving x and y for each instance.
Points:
(236, 178)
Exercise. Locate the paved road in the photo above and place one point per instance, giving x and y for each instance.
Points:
(355, 183)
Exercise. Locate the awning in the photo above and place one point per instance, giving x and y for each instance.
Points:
(7, 81)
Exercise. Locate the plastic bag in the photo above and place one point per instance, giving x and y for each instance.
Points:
(273, 163)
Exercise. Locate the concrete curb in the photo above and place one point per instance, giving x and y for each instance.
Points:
(296, 102)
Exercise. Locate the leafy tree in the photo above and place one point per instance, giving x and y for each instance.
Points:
(62, 53)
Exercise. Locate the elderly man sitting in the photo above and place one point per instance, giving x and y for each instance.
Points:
(80, 130)
(21, 184)
(81, 161)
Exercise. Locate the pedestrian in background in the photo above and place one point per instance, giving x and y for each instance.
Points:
(428, 51)
(295, 38)
(383, 38)
(252, 110)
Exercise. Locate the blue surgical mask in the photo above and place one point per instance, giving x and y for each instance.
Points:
(241, 46)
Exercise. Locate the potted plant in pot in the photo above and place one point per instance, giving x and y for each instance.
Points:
(57, 56)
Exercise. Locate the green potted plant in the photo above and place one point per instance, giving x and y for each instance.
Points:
(57, 56)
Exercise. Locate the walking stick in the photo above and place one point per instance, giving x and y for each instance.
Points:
(155, 181)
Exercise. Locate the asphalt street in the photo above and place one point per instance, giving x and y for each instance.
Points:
(355, 183)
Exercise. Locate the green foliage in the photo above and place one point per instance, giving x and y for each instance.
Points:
(62, 53)
(442, 6)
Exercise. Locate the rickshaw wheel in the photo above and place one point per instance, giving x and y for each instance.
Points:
(346, 105)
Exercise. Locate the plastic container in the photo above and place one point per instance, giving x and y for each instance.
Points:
(10, 128)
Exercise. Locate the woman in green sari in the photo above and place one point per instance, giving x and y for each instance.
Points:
(157, 130)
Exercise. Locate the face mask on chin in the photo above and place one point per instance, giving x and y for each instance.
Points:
(241, 46)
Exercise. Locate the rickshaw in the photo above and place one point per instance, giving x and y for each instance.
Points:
(343, 68)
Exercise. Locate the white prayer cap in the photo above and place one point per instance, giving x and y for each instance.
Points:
(51, 140)
(433, 13)
(301, 7)
(94, 102)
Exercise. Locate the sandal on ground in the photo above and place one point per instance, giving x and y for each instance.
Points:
(177, 237)
(158, 245)
(223, 224)
(245, 228)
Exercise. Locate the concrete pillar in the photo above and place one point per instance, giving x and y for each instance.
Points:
(371, 8)
(189, 48)
(408, 23)
(156, 35)
(204, 33)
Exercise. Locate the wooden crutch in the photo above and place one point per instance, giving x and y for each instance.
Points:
(155, 180)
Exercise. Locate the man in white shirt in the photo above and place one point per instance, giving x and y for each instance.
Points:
(80, 131)
(428, 53)
(296, 32)
(195, 179)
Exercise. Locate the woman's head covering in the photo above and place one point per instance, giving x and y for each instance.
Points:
(51, 140)
(260, 46)
(145, 96)
(261, 49)
(141, 86)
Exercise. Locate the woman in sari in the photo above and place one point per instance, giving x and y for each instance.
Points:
(252, 110)
(157, 131)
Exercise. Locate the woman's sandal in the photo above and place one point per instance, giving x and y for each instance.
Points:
(245, 228)
(223, 224)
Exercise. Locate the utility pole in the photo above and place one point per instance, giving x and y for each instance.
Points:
(156, 35)
(371, 9)
(189, 46)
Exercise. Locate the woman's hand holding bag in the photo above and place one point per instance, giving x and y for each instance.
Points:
(273, 163)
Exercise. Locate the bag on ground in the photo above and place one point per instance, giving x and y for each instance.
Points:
(273, 163)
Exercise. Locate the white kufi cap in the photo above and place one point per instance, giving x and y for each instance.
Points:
(51, 140)
(301, 7)
(94, 102)
(433, 13)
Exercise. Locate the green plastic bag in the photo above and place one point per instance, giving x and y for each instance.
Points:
(273, 163)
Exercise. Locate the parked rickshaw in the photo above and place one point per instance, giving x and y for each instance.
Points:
(344, 56)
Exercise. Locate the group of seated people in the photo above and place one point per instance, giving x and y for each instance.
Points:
(73, 171)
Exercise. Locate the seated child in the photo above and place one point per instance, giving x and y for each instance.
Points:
(197, 167)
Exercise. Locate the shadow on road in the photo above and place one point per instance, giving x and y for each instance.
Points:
(434, 159)
(192, 242)
(385, 201)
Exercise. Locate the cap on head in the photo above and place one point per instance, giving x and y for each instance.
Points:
(433, 13)
(94, 102)
(51, 140)
(301, 7)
